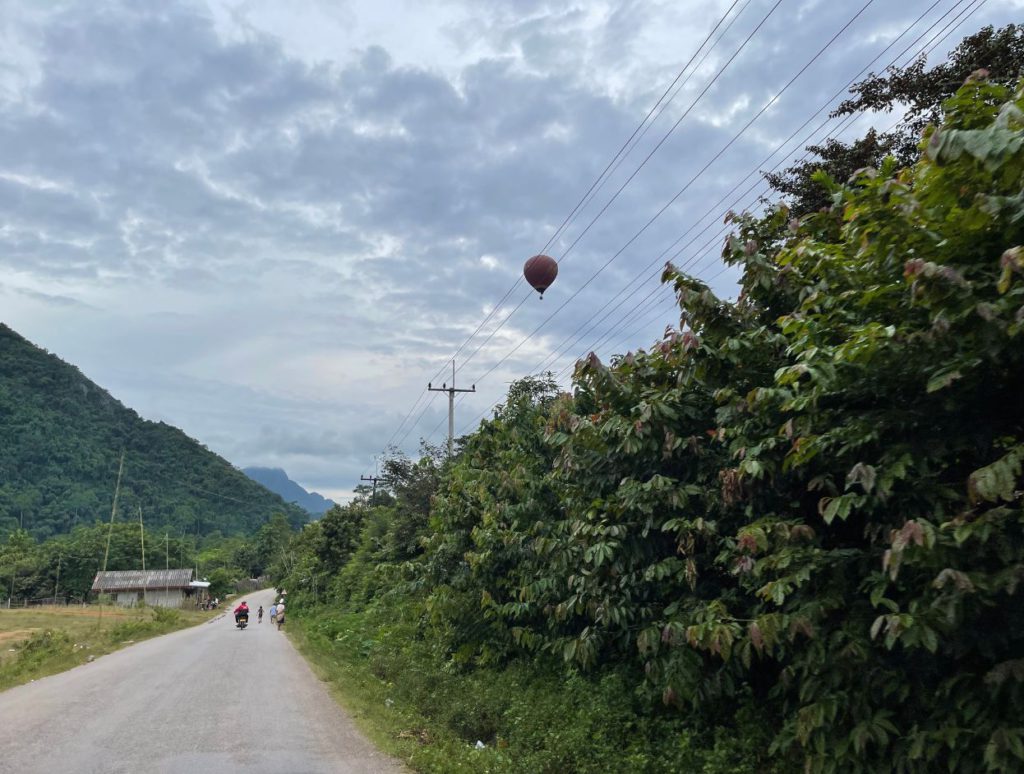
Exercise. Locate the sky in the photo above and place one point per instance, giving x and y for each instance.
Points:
(271, 224)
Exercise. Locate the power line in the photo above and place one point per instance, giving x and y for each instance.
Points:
(783, 144)
(614, 165)
(576, 335)
(635, 172)
(669, 101)
(582, 203)
(934, 42)
(617, 159)
(929, 46)
(419, 419)
(679, 193)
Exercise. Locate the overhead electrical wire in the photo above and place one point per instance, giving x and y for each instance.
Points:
(639, 137)
(638, 133)
(643, 163)
(976, 3)
(936, 40)
(682, 190)
(558, 350)
(623, 151)
(957, 21)
(715, 207)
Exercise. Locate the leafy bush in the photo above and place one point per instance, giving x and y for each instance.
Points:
(166, 617)
(163, 620)
(791, 534)
(531, 717)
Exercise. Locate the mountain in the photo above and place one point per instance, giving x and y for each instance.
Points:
(61, 438)
(276, 480)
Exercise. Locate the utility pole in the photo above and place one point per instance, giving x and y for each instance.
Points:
(167, 565)
(374, 479)
(56, 583)
(451, 404)
(142, 537)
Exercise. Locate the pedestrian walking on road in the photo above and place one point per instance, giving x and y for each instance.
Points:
(280, 614)
(273, 614)
(259, 615)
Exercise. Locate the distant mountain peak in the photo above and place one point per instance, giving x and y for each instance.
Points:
(278, 481)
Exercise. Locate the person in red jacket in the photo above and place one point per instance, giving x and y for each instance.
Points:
(242, 609)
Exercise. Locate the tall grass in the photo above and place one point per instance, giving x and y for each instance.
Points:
(65, 640)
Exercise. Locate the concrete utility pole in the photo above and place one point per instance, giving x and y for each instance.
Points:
(374, 479)
(451, 404)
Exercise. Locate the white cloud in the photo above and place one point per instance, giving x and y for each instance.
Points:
(272, 228)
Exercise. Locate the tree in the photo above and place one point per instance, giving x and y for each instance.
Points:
(920, 93)
(271, 542)
(19, 561)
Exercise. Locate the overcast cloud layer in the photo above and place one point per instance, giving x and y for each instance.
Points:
(271, 229)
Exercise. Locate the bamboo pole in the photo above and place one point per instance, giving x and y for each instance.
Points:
(56, 583)
(142, 533)
(110, 531)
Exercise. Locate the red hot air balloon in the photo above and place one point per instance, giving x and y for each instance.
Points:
(540, 271)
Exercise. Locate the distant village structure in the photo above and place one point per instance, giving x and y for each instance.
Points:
(162, 588)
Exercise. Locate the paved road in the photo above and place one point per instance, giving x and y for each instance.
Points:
(207, 699)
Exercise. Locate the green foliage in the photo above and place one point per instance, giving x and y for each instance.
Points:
(223, 581)
(480, 561)
(161, 621)
(843, 514)
(796, 524)
(45, 651)
(531, 717)
(60, 441)
(67, 564)
(920, 93)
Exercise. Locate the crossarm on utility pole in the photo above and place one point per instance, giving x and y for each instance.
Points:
(451, 404)
(374, 479)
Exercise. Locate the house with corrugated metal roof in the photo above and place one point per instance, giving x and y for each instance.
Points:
(163, 588)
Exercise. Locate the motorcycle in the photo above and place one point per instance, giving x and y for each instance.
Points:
(242, 620)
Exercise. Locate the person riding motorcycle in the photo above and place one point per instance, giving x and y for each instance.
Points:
(242, 609)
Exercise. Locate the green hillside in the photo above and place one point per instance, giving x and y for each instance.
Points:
(61, 436)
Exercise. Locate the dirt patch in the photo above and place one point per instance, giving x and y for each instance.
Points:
(70, 612)
(17, 634)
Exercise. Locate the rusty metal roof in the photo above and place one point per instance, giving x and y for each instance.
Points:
(138, 580)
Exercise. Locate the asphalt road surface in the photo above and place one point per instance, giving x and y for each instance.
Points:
(207, 699)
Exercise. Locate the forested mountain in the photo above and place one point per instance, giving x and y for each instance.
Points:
(277, 481)
(61, 437)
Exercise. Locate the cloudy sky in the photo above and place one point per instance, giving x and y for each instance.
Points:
(271, 223)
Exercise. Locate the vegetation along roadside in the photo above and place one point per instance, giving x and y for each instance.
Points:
(787, 537)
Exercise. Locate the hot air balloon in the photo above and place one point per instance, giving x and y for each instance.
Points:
(540, 271)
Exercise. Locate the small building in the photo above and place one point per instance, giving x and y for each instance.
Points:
(163, 588)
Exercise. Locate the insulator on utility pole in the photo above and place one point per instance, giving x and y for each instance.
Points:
(373, 494)
(451, 405)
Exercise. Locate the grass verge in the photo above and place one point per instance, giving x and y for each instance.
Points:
(35, 642)
(526, 717)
